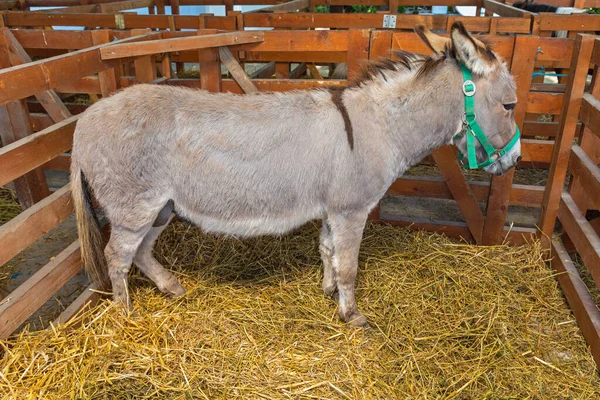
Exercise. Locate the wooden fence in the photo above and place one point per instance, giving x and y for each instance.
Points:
(97, 65)
(581, 160)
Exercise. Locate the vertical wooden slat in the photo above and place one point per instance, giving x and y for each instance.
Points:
(210, 70)
(175, 7)
(522, 66)
(567, 126)
(358, 50)
(108, 78)
(381, 44)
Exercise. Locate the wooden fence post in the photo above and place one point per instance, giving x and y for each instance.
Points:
(524, 55)
(569, 117)
(108, 79)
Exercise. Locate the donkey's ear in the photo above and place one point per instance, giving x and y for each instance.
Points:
(436, 43)
(475, 54)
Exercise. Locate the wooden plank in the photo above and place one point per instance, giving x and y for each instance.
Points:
(108, 8)
(505, 10)
(582, 235)
(31, 224)
(87, 299)
(268, 85)
(289, 6)
(144, 69)
(237, 71)
(430, 187)
(60, 163)
(40, 121)
(26, 154)
(358, 51)
(31, 78)
(587, 173)
(535, 150)
(108, 78)
(596, 53)
(381, 44)
(549, 129)
(460, 189)
(568, 124)
(179, 44)
(314, 72)
(55, 39)
(573, 22)
(299, 41)
(544, 103)
(35, 291)
(210, 69)
(265, 71)
(590, 113)
(299, 71)
(458, 230)
(375, 21)
(579, 299)
(497, 205)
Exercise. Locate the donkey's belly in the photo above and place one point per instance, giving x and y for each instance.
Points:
(245, 226)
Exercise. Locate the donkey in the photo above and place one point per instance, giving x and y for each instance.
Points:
(264, 164)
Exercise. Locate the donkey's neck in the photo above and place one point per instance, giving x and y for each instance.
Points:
(413, 116)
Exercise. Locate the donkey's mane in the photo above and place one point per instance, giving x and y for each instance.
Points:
(403, 61)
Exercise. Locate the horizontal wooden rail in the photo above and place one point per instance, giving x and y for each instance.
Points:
(590, 113)
(38, 76)
(367, 21)
(125, 21)
(35, 291)
(582, 235)
(180, 44)
(573, 22)
(103, 7)
(534, 150)
(581, 302)
(459, 230)
(432, 187)
(288, 6)
(55, 39)
(26, 154)
(34, 222)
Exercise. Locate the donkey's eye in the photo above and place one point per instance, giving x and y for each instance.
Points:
(509, 106)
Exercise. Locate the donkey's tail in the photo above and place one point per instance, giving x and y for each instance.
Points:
(88, 226)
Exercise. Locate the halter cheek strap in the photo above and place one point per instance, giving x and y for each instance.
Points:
(473, 131)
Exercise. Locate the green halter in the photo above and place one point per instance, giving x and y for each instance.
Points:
(473, 130)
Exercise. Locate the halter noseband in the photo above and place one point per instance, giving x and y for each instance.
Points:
(472, 129)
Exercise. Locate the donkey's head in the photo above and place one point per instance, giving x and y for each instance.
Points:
(489, 138)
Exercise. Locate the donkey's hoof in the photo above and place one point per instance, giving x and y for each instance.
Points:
(330, 291)
(357, 320)
(176, 290)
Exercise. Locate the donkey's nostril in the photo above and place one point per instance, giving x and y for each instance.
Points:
(519, 159)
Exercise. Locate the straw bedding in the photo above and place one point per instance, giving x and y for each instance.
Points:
(448, 320)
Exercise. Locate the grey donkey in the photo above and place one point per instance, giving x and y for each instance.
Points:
(264, 164)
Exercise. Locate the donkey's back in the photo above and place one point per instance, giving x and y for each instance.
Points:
(241, 165)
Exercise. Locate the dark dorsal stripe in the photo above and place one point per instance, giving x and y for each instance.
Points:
(336, 97)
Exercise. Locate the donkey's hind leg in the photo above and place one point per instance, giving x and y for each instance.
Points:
(145, 261)
(119, 253)
(326, 249)
(347, 231)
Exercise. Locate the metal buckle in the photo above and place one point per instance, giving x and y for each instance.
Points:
(464, 119)
(467, 92)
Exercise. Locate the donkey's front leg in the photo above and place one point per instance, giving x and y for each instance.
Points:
(347, 230)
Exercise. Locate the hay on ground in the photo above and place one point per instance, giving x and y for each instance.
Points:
(9, 206)
(448, 320)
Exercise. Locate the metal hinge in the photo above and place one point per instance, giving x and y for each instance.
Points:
(389, 21)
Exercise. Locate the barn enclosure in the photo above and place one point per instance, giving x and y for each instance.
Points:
(480, 271)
